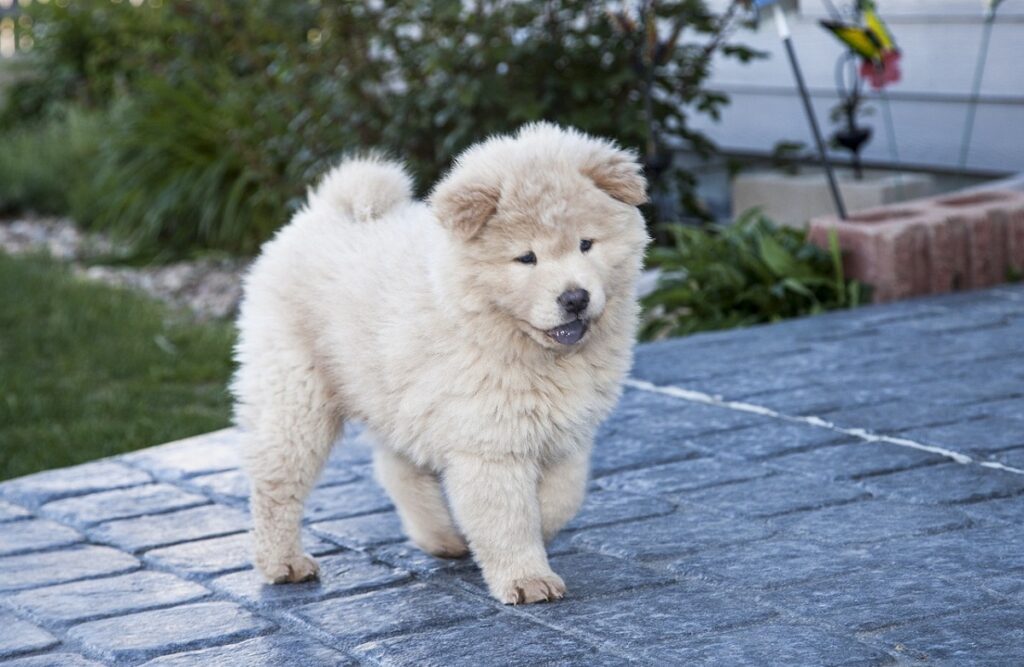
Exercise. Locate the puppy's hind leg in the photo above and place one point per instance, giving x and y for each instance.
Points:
(293, 430)
(420, 502)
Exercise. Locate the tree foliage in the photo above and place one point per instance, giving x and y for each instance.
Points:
(223, 111)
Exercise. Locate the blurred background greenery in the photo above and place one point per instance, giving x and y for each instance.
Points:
(186, 129)
(191, 126)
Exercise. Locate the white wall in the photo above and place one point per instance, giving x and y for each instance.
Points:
(939, 40)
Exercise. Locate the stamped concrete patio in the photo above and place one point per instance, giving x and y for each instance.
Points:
(845, 489)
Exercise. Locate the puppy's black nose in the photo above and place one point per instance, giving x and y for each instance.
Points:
(574, 300)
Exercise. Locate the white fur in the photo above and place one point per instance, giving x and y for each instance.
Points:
(416, 319)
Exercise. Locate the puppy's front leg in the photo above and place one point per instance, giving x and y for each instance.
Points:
(563, 486)
(495, 503)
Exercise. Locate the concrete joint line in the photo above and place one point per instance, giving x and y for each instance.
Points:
(859, 433)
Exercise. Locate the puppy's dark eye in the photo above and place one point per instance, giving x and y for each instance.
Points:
(586, 244)
(528, 258)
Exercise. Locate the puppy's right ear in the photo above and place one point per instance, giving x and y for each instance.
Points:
(617, 172)
(464, 205)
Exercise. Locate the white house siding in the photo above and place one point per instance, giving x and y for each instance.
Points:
(939, 40)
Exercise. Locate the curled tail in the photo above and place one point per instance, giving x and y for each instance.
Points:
(364, 188)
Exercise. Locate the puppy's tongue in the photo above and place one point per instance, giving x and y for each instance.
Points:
(569, 333)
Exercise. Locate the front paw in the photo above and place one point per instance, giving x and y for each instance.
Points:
(288, 570)
(527, 590)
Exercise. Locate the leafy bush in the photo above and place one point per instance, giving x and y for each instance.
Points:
(718, 277)
(86, 52)
(233, 107)
(180, 170)
(477, 69)
(42, 164)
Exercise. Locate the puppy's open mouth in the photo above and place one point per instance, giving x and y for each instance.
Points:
(569, 333)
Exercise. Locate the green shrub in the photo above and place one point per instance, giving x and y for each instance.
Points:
(481, 68)
(718, 277)
(233, 107)
(85, 53)
(180, 170)
(42, 164)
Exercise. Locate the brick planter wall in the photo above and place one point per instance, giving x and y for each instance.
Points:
(931, 246)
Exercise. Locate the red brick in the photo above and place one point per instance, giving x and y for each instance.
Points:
(889, 248)
(1015, 240)
(931, 246)
(947, 246)
(993, 223)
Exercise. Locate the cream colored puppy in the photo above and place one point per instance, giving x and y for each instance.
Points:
(481, 336)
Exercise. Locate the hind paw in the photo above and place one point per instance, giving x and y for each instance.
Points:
(290, 570)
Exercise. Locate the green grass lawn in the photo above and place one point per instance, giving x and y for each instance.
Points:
(88, 371)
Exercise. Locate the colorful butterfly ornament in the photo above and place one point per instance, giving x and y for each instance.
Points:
(880, 57)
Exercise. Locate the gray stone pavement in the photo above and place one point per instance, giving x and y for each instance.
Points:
(844, 489)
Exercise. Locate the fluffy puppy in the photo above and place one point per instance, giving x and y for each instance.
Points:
(481, 336)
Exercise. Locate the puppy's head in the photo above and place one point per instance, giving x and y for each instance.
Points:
(546, 229)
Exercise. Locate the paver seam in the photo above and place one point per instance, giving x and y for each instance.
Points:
(217, 498)
(872, 636)
(457, 586)
(233, 637)
(526, 613)
(63, 625)
(692, 455)
(571, 530)
(160, 474)
(860, 477)
(866, 636)
(140, 551)
(859, 433)
(766, 459)
(680, 499)
(88, 577)
(283, 620)
(33, 504)
(838, 502)
(68, 644)
(86, 526)
(280, 620)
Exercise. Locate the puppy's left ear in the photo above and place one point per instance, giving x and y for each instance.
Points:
(617, 172)
(463, 205)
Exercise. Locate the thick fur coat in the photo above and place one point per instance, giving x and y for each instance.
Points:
(481, 375)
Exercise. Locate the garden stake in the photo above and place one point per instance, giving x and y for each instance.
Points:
(979, 73)
(787, 41)
(890, 130)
